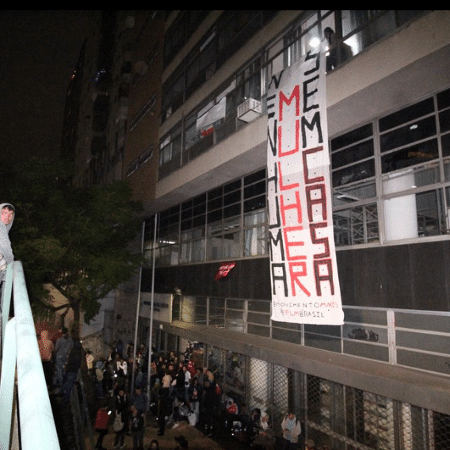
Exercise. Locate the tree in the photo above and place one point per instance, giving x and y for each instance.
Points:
(76, 239)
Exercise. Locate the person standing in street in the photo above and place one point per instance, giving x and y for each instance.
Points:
(291, 431)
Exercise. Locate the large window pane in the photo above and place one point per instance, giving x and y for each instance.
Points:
(357, 225)
(416, 154)
(255, 234)
(408, 134)
(353, 173)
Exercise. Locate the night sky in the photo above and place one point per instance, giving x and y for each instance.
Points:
(39, 50)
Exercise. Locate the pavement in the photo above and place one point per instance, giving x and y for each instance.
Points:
(196, 439)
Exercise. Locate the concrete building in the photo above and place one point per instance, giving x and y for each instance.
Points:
(196, 154)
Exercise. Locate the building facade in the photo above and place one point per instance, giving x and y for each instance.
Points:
(195, 153)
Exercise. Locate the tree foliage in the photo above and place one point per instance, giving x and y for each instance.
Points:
(77, 239)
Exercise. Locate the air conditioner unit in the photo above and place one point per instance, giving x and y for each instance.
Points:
(249, 110)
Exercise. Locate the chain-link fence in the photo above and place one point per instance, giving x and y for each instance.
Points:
(333, 415)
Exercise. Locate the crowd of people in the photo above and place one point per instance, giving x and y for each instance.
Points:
(176, 392)
(183, 393)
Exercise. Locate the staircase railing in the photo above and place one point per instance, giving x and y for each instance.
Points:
(21, 366)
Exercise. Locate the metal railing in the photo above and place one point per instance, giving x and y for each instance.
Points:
(21, 366)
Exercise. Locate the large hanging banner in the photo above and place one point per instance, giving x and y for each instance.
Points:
(303, 270)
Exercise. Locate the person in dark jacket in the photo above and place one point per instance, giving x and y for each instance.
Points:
(63, 347)
(121, 406)
(71, 368)
(164, 410)
(137, 429)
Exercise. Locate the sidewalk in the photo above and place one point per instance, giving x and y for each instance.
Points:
(195, 437)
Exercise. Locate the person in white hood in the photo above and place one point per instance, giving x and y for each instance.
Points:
(6, 221)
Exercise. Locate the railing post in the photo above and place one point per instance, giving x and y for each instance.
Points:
(7, 384)
(37, 426)
(6, 290)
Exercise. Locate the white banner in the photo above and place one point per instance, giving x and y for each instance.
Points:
(303, 271)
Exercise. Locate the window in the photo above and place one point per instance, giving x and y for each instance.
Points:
(226, 222)
(412, 186)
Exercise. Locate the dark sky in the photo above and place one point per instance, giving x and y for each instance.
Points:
(38, 51)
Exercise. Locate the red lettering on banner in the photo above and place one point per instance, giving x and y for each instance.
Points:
(283, 99)
(315, 240)
(322, 200)
(295, 206)
(305, 165)
(295, 275)
(297, 140)
(290, 244)
(282, 186)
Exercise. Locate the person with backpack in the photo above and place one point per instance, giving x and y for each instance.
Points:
(122, 417)
(291, 431)
(120, 429)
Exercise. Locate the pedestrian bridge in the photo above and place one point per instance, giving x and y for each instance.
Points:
(26, 418)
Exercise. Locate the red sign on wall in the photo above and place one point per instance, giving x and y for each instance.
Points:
(224, 270)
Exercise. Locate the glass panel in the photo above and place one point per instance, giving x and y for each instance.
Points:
(408, 134)
(255, 241)
(255, 203)
(445, 145)
(354, 193)
(444, 120)
(192, 246)
(400, 214)
(255, 238)
(416, 154)
(443, 99)
(430, 213)
(351, 137)
(413, 215)
(358, 225)
(447, 209)
(224, 239)
(407, 114)
(353, 173)
(352, 154)
(447, 170)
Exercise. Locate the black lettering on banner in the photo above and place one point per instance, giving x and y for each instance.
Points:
(273, 140)
(327, 277)
(281, 277)
(315, 56)
(315, 122)
(315, 240)
(307, 94)
(275, 241)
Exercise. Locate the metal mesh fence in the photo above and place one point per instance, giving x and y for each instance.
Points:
(334, 416)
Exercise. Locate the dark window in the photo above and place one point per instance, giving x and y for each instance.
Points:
(408, 134)
(407, 114)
